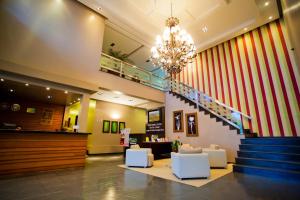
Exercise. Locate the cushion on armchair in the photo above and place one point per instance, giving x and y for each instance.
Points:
(187, 149)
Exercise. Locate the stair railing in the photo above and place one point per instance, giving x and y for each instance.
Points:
(224, 112)
(131, 72)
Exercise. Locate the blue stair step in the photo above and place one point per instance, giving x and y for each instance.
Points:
(267, 172)
(270, 155)
(271, 148)
(272, 141)
(284, 165)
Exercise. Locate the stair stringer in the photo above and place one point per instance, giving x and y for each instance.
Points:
(210, 131)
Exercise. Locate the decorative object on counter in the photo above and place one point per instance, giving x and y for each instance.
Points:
(105, 126)
(30, 110)
(154, 138)
(176, 145)
(191, 124)
(47, 115)
(121, 126)
(4, 106)
(15, 107)
(178, 121)
(114, 127)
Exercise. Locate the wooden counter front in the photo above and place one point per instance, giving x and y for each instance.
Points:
(39, 151)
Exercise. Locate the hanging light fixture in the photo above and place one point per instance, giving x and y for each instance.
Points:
(174, 49)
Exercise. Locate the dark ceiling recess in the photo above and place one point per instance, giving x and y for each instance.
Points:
(148, 60)
(112, 44)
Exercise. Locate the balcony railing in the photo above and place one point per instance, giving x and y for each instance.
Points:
(131, 72)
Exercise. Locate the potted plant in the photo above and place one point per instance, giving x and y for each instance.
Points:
(176, 144)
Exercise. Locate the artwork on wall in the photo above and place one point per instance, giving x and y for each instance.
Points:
(106, 126)
(154, 116)
(114, 127)
(178, 121)
(191, 124)
(121, 126)
(47, 116)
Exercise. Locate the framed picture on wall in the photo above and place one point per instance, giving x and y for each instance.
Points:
(191, 124)
(121, 126)
(114, 127)
(106, 126)
(177, 121)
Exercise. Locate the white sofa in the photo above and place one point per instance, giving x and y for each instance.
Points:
(217, 157)
(190, 165)
(140, 157)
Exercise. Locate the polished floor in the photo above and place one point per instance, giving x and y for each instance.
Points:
(103, 179)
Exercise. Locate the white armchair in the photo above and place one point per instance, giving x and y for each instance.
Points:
(142, 157)
(190, 165)
(216, 157)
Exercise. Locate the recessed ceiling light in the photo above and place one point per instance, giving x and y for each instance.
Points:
(148, 60)
(117, 92)
(49, 97)
(70, 103)
(66, 92)
(271, 17)
(11, 90)
(2, 80)
(26, 84)
(99, 8)
(204, 29)
(245, 29)
(78, 99)
(130, 100)
(267, 3)
(47, 88)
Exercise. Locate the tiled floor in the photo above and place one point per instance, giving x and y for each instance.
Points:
(103, 179)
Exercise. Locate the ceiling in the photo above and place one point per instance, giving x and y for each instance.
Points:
(120, 98)
(13, 90)
(133, 24)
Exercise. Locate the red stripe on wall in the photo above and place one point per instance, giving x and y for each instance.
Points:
(234, 77)
(183, 78)
(202, 72)
(207, 67)
(221, 76)
(289, 63)
(288, 107)
(252, 87)
(262, 86)
(227, 74)
(192, 74)
(271, 83)
(198, 85)
(215, 79)
(187, 74)
(243, 81)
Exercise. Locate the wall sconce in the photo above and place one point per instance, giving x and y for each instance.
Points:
(115, 116)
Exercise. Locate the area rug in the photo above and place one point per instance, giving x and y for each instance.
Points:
(162, 169)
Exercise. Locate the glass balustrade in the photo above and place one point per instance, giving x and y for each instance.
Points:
(131, 72)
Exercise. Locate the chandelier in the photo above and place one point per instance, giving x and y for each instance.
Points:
(174, 49)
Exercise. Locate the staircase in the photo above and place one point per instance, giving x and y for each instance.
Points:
(210, 106)
(273, 157)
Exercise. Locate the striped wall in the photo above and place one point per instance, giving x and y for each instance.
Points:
(256, 74)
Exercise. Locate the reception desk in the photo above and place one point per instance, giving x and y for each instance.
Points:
(159, 149)
(30, 151)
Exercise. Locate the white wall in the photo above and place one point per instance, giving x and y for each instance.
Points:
(60, 41)
(210, 131)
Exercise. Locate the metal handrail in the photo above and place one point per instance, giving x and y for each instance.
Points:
(209, 103)
(121, 72)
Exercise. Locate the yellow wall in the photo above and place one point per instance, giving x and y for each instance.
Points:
(99, 142)
(71, 111)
